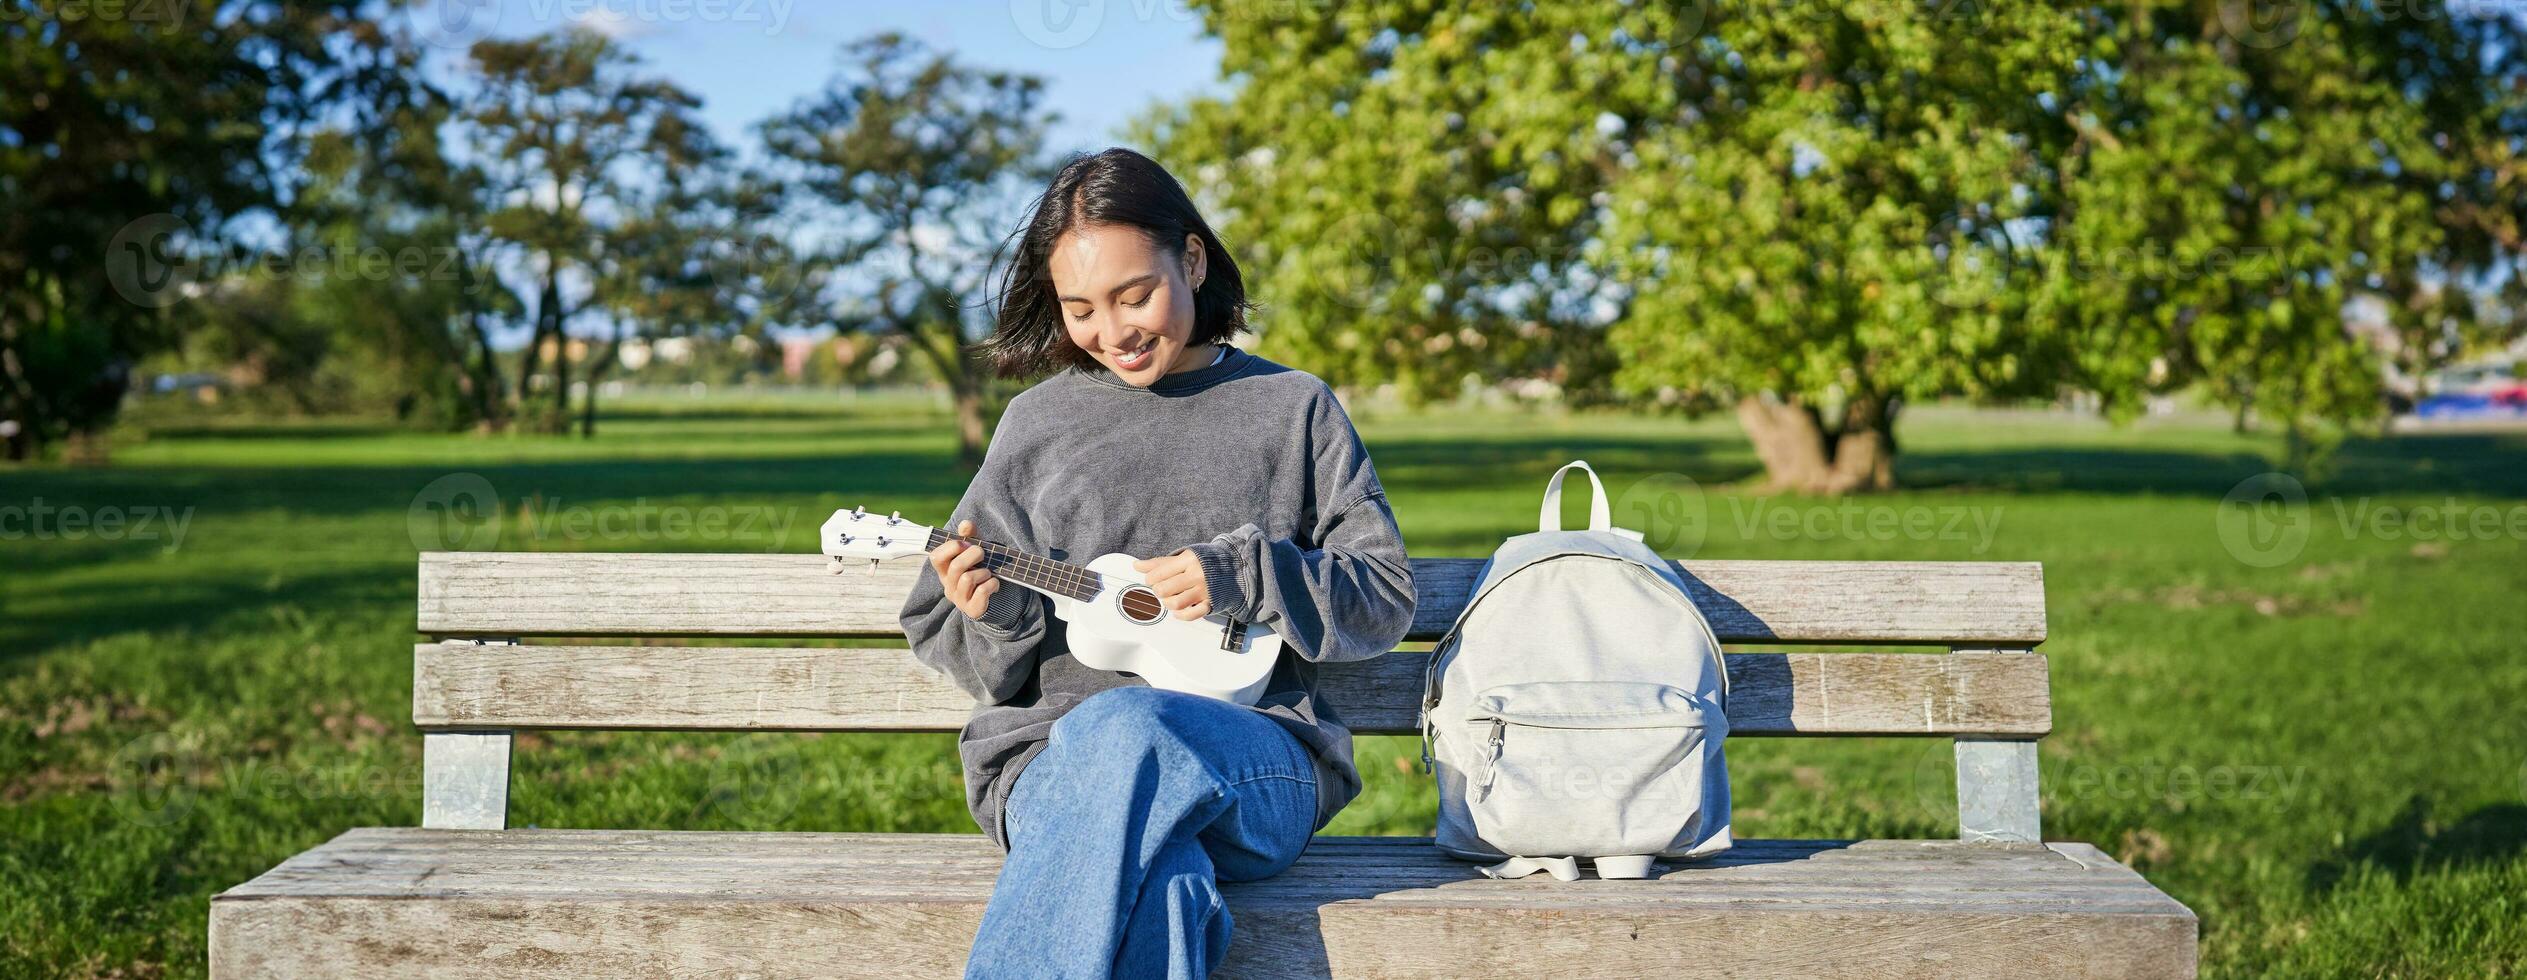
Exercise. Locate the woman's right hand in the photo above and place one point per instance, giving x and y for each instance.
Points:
(970, 585)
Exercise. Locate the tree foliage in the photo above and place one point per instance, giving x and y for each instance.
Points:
(131, 138)
(908, 163)
(585, 159)
(1816, 214)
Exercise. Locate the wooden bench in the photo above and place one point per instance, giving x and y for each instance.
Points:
(463, 897)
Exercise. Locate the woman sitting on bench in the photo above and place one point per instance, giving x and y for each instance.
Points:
(1122, 805)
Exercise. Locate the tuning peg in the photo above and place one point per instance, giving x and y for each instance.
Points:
(896, 517)
(872, 568)
(834, 566)
(860, 511)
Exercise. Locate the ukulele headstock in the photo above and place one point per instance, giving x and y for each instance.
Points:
(856, 534)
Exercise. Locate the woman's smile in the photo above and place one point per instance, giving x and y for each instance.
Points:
(1137, 358)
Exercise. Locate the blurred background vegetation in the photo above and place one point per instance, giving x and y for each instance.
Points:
(1808, 215)
(2067, 273)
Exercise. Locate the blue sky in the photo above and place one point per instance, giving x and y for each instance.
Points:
(1103, 60)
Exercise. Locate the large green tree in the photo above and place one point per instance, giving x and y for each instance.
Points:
(1823, 216)
(577, 145)
(131, 138)
(1815, 214)
(909, 162)
(1411, 186)
(2246, 174)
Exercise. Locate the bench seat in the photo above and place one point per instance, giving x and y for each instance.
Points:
(503, 903)
(516, 643)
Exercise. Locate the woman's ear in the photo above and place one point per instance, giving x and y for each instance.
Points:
(1197, 262)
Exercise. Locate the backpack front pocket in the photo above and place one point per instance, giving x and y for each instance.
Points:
(1587, 768)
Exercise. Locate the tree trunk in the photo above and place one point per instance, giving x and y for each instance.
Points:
(1788, 440)
(491, 404)
(560, 422)
(17, 395)
(973, 431)
(1800, 455)
(588, 410)
(547, 316)
(966, 376)
(598, 364)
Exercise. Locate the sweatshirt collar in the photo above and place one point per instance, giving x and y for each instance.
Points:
(1232, 363)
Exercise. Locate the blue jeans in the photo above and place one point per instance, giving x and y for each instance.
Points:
(1120, 830)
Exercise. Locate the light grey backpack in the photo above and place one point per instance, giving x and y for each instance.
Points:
(1574, 710)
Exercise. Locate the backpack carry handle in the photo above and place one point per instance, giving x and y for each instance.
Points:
(1600, 516)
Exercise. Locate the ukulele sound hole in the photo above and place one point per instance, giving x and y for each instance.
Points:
(1141, 605)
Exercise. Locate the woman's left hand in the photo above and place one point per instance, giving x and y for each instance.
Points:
(1178, 580)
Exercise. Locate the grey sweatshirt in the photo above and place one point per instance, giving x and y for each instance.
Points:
(1251, 464)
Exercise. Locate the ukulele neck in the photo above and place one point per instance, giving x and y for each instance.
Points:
(1046, 575)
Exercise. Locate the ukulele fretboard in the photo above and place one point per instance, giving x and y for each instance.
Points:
(1035, 571)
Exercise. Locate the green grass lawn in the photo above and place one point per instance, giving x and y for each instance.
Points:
(2326, 758)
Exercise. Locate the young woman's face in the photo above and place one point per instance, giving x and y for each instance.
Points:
(1129, 303)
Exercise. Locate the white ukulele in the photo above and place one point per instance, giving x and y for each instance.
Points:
(1116, 622)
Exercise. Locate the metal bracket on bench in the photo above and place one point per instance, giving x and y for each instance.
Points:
(1996, 791)
(465, 777)
(465, 780)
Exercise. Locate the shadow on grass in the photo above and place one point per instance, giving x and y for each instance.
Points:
(2494, 465)
(34, 622)
(347, 490)
(1501, 460)
(2414, 844)
(247, 431)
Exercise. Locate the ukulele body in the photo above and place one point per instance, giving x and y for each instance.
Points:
(1125, 629)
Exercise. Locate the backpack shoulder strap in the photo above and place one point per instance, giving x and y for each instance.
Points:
(1600, 516)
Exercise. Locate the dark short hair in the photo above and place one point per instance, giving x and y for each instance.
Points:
(1114, 187)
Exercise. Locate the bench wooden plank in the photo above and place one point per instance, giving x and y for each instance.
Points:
(587, 594)
(460, 685)
(622, 903)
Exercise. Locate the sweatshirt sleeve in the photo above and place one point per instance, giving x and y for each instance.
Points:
(1347, 592)
(992, 658)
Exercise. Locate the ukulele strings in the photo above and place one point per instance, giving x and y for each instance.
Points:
(1072, 580)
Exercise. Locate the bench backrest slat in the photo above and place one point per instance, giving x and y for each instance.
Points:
(465, 686)
(584, 594)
